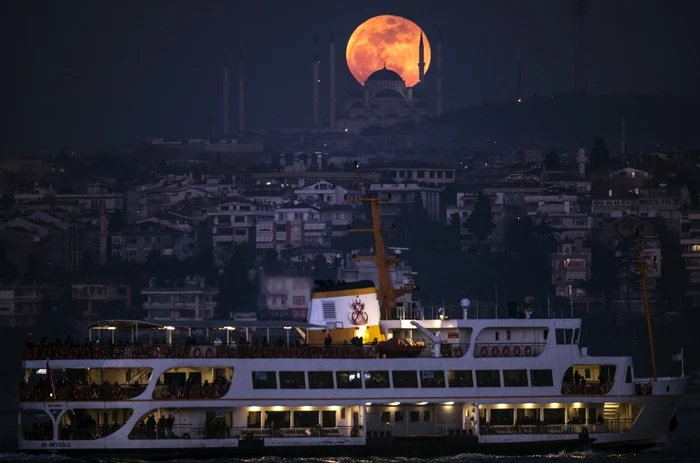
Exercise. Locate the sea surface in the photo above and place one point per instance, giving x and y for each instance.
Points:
(681, 446)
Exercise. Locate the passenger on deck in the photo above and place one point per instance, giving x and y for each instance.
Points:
(375, 341)
(44, 342)
(328, 341)
(29, 341)
(217, 341)
(68, 342)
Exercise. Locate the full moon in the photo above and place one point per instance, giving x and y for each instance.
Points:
(390, 41)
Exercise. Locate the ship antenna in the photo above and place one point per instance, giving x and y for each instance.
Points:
(643, 266)
(387, 293)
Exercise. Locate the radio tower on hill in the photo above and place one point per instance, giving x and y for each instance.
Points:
(579, 8)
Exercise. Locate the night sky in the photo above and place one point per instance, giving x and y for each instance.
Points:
(107, 74)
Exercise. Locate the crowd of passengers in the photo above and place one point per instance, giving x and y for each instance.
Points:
(86, 428)
(106, 391)
(578, 385)
(195, 390)
(150, 428)
(38, 431)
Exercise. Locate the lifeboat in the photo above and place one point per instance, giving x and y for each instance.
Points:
(400, 348)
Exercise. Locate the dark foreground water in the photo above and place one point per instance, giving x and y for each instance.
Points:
(682, 446)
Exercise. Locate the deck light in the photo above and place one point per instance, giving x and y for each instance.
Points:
(394, 404)
(111, 327)
(287, 327)
(368, 403)
(449, 403)
(230, 328)
(422, 403)
(170, 328)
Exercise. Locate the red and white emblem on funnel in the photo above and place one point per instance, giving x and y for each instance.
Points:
(358, 315)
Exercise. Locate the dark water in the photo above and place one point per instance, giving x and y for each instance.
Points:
(681, 446)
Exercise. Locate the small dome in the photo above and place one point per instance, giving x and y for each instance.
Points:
(384, 75)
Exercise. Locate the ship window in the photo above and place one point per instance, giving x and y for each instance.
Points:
(278, 419)
(502, 417)
(404, 378)
(628, 375)
(292, 380)
(577, 334)
(254, 419)
(386, 417)
(329, 418)
(377, 379)
(328, 310)
(460, 378)
(398, 416)
(488, 378)
(348, 379)
(414, 416)
(432, 378)
(264, 380)
(496, 335)
(564, 336)
(541, 378)
(427, 416)
(553, 416)
(515, 378)
(304, 419)
(507, 335)
(320, 380)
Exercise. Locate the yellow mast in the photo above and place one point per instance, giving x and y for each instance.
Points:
(642, 272)
(387, 293)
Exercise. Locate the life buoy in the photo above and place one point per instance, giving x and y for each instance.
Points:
(117, 353)
(255, 352)
(61, 394)
(179, 393)
(206, 390)
(100, 353)
(484, 351)
(78, 394)
(232, 353)
(325, 352)
(516, 351)
(505, 351)
(46, 353)
(33, 354)
(267, 352)
(370, 353)
(494, 351)
(279, 352)
(315, 352)
(528, 351)
(185, 436)
(290, 353)
(458, 351)
(165, 393)
(38, 395)
(137, 353)
(60, 353)
(358, 353)
(209, 353)
(73, 354)
(249, 436)
(86, 353)
(117, 393)
(197, 352)
(182, 352)
(154, 352)
(335, 352)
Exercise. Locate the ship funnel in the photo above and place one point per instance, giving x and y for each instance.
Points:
(465, 303)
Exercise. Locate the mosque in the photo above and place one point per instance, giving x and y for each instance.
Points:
(384, 98)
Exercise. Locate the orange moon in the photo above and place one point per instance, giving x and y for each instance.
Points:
(387, 40)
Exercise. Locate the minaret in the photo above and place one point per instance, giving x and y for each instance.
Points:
(624, 137)
(438, 98)
(314, 65)
(421, 59)
(519, 77)
(103, 235)
(241, 91)
(331, 85)
(225, 92)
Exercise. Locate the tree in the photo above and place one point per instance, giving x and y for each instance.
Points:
(321, 269)
(628, 267)
(34, 272)
(552, 161)
(599, 153)
(455, 222)
(58, 315)
(675, 278)
(8, 271)
(116, 221)
(603, 270)
(480, 221)
(238, 285)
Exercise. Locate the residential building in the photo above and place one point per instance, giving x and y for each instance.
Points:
(325, 193)
(417, 172)
(194, 300)
(20, 304)
(396, 196)
(94, 297)
(137, 241)
(234, 223)
(340, 217)
(571, 266)
(297, 224)
(285, 291)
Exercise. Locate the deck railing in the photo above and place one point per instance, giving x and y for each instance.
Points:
(607, 426)
(587, 388)
(221, 431)
(509, 349)
(69, 393)
(160, 351)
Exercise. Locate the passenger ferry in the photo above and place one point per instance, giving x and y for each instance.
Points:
(346, 382)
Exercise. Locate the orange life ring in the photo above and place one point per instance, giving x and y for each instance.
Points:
(494, 351)
(73, 354)
(33, 354)
(290, 353)
(179, 393)
(370, 353)
(358, 353)
(165, 393)
(137, 353)
(117, 353)
(86, 353)
(505, 351)
(516, 351)
(46, 352)
(197, 352)
(100, 353)
(484, 351)
(209, 353)
(458, 351)
(78, 394)
(61, 393)
(335, 352)
(279, 352)
(232, 353)
(325, 353)
(155, 352)
(38, 395)
(267, 352)
(117, 393)
(528, 351)
(255, 352)
(60, 353)
(315, 352)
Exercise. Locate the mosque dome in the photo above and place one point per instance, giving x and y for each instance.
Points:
(384, 75)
